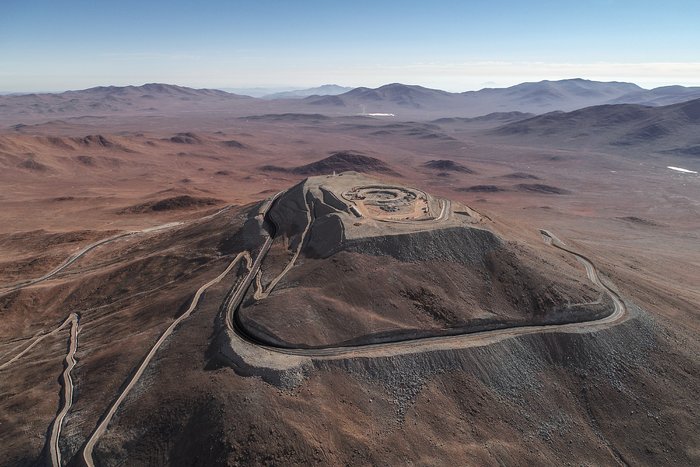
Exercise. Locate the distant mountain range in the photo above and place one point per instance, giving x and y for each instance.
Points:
(659, 96)
(115, 100)
(538, 98)
(404, 101)
(325, 90)
(673, 128)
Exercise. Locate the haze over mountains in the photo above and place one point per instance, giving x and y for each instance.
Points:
(404, 101)
(108, 100)
(544, 96)
(541, 97)
(674, 128)
(123, 207)
(331, 234)
(324, 90)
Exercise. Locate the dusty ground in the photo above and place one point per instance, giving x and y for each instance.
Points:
(627, 395)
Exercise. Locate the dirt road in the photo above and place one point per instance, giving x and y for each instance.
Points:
(241, 287)
(101, 428)
(34, 341)
(6, 289)
(259, 292)
(70, 260)
(66, 380)
(67, 397)
(410, 345)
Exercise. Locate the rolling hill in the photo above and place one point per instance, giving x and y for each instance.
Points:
(671, 128)
(411, 101)
(324, 90)
(115, 100)
(400, 100)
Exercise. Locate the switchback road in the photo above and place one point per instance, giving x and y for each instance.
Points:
(409, 345)
(102, 426)
(67, 397)
(252, 278)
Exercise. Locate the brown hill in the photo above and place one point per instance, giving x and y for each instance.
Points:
(437, 273)
(115, 100)
(33, 165)
(447, 165)
(669, 128)
(521, 176)
(341, 161)
(233, 144)
(185, 138)
(481, 189)
(543, 189)
(170, 204)
(410, 101)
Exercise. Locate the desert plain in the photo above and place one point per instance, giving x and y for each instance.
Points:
(190, 277)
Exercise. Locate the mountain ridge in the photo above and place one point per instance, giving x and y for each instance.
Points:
(670, 128)
(323, 90)
(394, 100)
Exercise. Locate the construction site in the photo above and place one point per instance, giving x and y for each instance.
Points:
(389, 202)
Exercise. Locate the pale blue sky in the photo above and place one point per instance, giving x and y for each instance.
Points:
(453, 45)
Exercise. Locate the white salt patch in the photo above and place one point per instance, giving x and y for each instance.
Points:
(680, 169)
(380, 115)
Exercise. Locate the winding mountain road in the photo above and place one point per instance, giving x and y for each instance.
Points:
(259, 292)
(424, 344)
(34, 341)
(66, 380)
(54, 452)
(413, 345)
(107, 417)
(6, 289)
(67, 397)
(446, 205)
(70, 260)
(252, 277)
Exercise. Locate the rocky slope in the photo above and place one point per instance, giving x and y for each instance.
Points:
(357, 283)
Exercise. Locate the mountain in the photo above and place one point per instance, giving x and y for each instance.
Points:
(392, 98)
(417, 102)
(397, 93)
(148, 90)
(672, 128)
(665, 95)
(396, 100)
(111, 100)
(325, 90)
(484, 122)
(257, 91)
(562, 95)
(447, 165)
(427, 258)
(340, 161)
(544, 96)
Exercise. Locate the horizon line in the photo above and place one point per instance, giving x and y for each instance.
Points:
(283, 88)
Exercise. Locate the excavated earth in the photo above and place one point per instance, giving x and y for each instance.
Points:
(362, 280)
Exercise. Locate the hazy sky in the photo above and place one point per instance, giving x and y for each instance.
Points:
(453, 45)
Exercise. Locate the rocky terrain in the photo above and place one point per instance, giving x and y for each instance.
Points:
(450, 277)
(337, 162)
(618, 125)
(184, 284)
